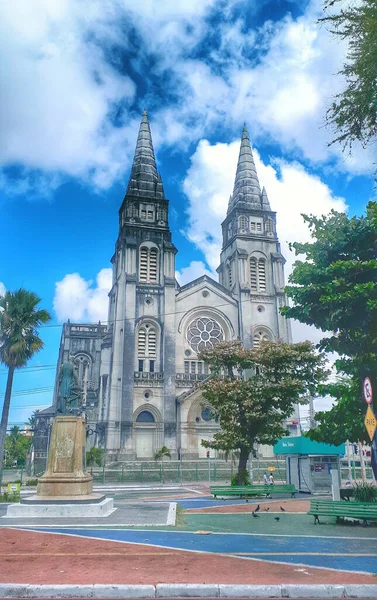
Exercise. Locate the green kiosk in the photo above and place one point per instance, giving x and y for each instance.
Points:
(309, 464)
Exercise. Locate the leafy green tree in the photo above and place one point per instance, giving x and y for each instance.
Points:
(94, 457)
(353, 112)
(19, 321)
(16, 447)
(253, 392)
(32, 420)
(345, 420)
(335, 286)
(162, 453)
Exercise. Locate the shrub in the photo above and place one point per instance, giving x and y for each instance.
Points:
(13, 497)
(365, 492)
(32, 482)
(246, 479)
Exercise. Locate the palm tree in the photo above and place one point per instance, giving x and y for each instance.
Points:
(160, 454)
(19, 320)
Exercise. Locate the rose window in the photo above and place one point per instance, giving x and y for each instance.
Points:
(204, 334)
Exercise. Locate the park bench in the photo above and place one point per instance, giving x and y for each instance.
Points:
(252, 490)
(367, 511)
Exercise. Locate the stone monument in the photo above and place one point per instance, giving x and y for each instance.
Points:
(65, 489)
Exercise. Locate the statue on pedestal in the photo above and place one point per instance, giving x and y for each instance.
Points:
(69, 394)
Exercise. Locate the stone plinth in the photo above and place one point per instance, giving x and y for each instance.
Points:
(65, 475)
(61, 510)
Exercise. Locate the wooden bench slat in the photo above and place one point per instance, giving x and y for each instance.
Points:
(342, 508)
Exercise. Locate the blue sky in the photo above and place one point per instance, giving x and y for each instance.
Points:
(76, 78)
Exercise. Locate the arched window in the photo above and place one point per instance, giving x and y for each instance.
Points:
(258, 281)
(82, 364)
(269, 226)
(148, 265)
(260, 336)
(147, 341)
(243, 223)
(253, 273)
(262, 275)
(145, 417)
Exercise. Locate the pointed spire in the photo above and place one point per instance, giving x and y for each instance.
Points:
(265, 200)
(246, 185)
(145, 180)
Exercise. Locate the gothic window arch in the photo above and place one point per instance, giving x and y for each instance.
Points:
(83, 366)
(148, 264)
(260, 335)
(258, 274)
(147, 347)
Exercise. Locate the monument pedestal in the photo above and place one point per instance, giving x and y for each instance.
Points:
(65, 489)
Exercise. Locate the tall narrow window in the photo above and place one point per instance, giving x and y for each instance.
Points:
(262, 274)
(253, 273)
(153, 264)
(147, 347)
(152, 342)
(151, 366)
(142, 342)
(187, 366)
(143, 274)
(230, 281)
(259, 226)
(252, 226)
(148, 265)
(242, 223)
(270, 226)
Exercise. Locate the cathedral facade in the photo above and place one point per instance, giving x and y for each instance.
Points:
(138, 373)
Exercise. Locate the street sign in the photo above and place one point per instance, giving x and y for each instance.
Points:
(367, 390)
(370, 422)
(14, 488)
(271, 469)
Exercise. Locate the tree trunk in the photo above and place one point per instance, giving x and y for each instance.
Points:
(4, 418)
(242, 466)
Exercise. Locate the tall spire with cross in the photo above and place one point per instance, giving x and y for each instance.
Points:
(145, 180)
(246, 189)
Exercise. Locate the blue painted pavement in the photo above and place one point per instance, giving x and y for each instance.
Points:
(344, 554)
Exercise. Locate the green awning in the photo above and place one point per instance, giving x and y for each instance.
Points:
(303, 445)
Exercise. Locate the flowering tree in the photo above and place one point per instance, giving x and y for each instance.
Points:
(253, 392)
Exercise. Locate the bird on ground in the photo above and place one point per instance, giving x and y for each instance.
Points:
(277, 518)
(282, 509)
(257, 508)
(266, 509)
(246, 500)
(255, 516)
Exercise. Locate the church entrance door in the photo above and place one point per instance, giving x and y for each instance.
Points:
(145, 442)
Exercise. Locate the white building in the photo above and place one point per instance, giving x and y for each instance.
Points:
(139, 369)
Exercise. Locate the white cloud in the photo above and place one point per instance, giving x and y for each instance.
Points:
(81, 301)
(3, 289)
(195, 269)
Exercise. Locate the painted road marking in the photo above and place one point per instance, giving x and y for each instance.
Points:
(325, 551)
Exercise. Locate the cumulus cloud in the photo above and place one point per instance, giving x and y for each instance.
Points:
(3, 289)
(195, 269)
(81, 300)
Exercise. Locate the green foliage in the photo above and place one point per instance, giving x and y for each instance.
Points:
(162, 453)
(253, 392)
(16, 448)
(335, 287)
(32, 420)
(19, 321)
(94, 457)
(365, 492)
(353, 112)
(10, 497)
(244, 476)
(345, 420)
(31, 482)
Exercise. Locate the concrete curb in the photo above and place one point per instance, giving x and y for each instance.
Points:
(187, 590)
(172, 514)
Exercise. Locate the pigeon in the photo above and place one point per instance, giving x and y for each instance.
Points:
(266, 509)
(277, 518)
(257, 508)
(282, 509)
(255, 516)
(246, 500)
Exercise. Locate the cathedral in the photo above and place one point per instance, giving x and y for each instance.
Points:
(138, 373)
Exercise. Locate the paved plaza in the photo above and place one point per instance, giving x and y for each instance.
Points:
(212, 541)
